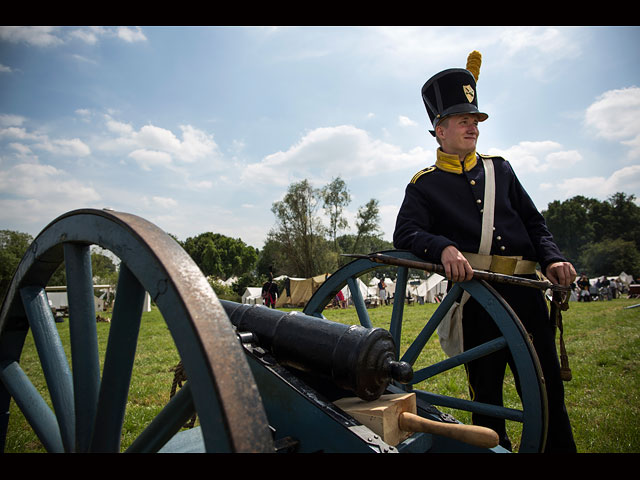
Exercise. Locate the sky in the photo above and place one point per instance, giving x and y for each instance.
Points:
(202, 129)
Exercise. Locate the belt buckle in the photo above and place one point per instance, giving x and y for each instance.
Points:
(503, 265)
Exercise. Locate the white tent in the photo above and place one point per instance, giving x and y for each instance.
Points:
(252, 296)
(427, 289)
(436, 285)
(365, 292)
(389, 284)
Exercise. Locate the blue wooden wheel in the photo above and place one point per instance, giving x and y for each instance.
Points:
(532, 415)
(89, 405)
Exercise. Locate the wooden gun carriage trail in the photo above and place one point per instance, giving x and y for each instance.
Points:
(259, 380)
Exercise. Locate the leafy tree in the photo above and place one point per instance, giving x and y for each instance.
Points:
(623, 220)
(611, 257)
(571, 224)
(367, 221)
(588, 230)
(13, 246)
(103, 268)
(298, 229)
(336, 196)
(221, 256)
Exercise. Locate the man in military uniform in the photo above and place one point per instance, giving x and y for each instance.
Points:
(469, 211)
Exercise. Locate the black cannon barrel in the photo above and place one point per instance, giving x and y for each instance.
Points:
(358, 359)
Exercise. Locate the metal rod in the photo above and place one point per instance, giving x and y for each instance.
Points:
(433, 267)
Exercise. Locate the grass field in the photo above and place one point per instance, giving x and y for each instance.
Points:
(602, 339)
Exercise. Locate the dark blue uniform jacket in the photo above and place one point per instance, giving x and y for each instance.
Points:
(442, 208)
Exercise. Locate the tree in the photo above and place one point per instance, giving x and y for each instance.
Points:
(624, 218)
(221, 256)
(299, 230)
(336, 196)
(587, 230)
(610, 257)
(571, 224)
(103, 268)
(367, 221)
(13, 246)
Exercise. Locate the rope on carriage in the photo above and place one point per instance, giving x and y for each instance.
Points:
(179, 378)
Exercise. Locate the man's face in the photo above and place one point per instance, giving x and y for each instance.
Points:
(459, 134)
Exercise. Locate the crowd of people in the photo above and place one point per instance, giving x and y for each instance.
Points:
(600, 289)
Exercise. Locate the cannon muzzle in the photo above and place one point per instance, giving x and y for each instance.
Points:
(359, 359)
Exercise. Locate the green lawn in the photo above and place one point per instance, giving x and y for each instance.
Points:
(602, 340)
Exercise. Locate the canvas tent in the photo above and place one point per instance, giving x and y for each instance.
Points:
(365, 292)
(427, 290)
(252, 296)
(390, 286)
(296, 292)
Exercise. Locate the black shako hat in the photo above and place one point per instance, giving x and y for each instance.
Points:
(452, 92)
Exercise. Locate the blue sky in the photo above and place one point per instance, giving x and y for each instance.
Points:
(202, 128)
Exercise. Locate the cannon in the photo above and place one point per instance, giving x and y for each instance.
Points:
(260, 380)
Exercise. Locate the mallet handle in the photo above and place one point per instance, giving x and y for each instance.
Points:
(471, 434)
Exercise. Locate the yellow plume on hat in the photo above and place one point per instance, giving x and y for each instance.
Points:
(473, 63)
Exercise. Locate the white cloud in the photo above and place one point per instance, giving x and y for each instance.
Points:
(36, 36)
(120, 128)
(150, 159)
(537, 49)
(538, 156)
(626, 179)
(157, 138)
(329, 151)
(614, 117)
(11, 120)
(68, 147)
(154, 146)
(57, 146)
(22, 149)
(87, 35)
(406, 121)
(43, 36)
(35, 194)
(164, 202)
(19, 133)
(131, 35)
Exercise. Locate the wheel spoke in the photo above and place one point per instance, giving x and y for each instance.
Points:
(358, 302)
(395, 327)
(166, 424)
(118, 363)
(54, 362)
(33, 406)
(465, 357)
(84, 340)
(412, 353)
(471, 406)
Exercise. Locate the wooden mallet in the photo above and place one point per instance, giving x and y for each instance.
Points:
(394, 417)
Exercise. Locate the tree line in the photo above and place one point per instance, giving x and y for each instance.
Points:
(598, 237)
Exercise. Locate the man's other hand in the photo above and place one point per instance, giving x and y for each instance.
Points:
(561, 273)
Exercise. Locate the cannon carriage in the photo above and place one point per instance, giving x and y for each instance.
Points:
(259, 380)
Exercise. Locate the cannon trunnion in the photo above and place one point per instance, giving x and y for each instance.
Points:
(260, 380)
